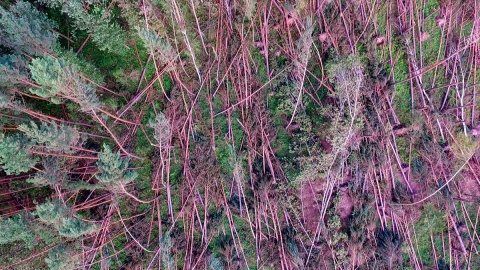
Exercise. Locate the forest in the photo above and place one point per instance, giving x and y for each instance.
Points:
(239, 134)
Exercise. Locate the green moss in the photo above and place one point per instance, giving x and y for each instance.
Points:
(433, 222)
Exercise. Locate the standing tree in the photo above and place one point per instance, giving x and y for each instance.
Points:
(16, 228)
(114, 170)
(60, 79)
(13, 69)
(26, 29)
(57, 138)
(14, 154)
(63, 257)
(60, 217)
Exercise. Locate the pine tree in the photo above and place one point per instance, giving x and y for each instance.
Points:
(16, 228)
(389, 248)
(5, 98)
(74, 227)
(106, 34)
(114, 170)
(166, 247)
(160, 48)
(13, 69)
(59, 216)
(26, 29)
(52, 76)
(59, 77)
(62, 257)
(14, 155)
(52, 213)
(51, 175)
(162, 129)
(58, 138)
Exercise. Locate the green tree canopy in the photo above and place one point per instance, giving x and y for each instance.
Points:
(60, 78)
(62, 257)
(13, 69)
(26, 29)
(58, 215)
(58, 138)
(14, 156)
(16, 228)
(114, 170)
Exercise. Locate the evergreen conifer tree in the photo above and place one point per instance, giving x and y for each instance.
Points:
(74, 227)
(5, 99)
(13, 69)
(59, 216)
(59, 77)
(62, 257)
(51, 175)
(52, 213)
(26, 29)
(160, 48)
(106, 34)
(162, 129)
(113, 170)
(58, 138)
(16, 228)
(14, 156)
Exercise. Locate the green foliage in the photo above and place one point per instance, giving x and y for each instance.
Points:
(114, 170)
(16, 228)
(51, 175)
(75, 227)
(13, 69)
(58, 215)
(159, 47)
(58, 138)
(161, 126)
(432, 223)
(52, 213)
(26, 29)
(166, 246)
(14, 155)
(5, 99)
(106, 34)
(62, 257)
(59, 77)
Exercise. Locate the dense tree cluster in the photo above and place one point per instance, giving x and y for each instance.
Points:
(181, 134)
